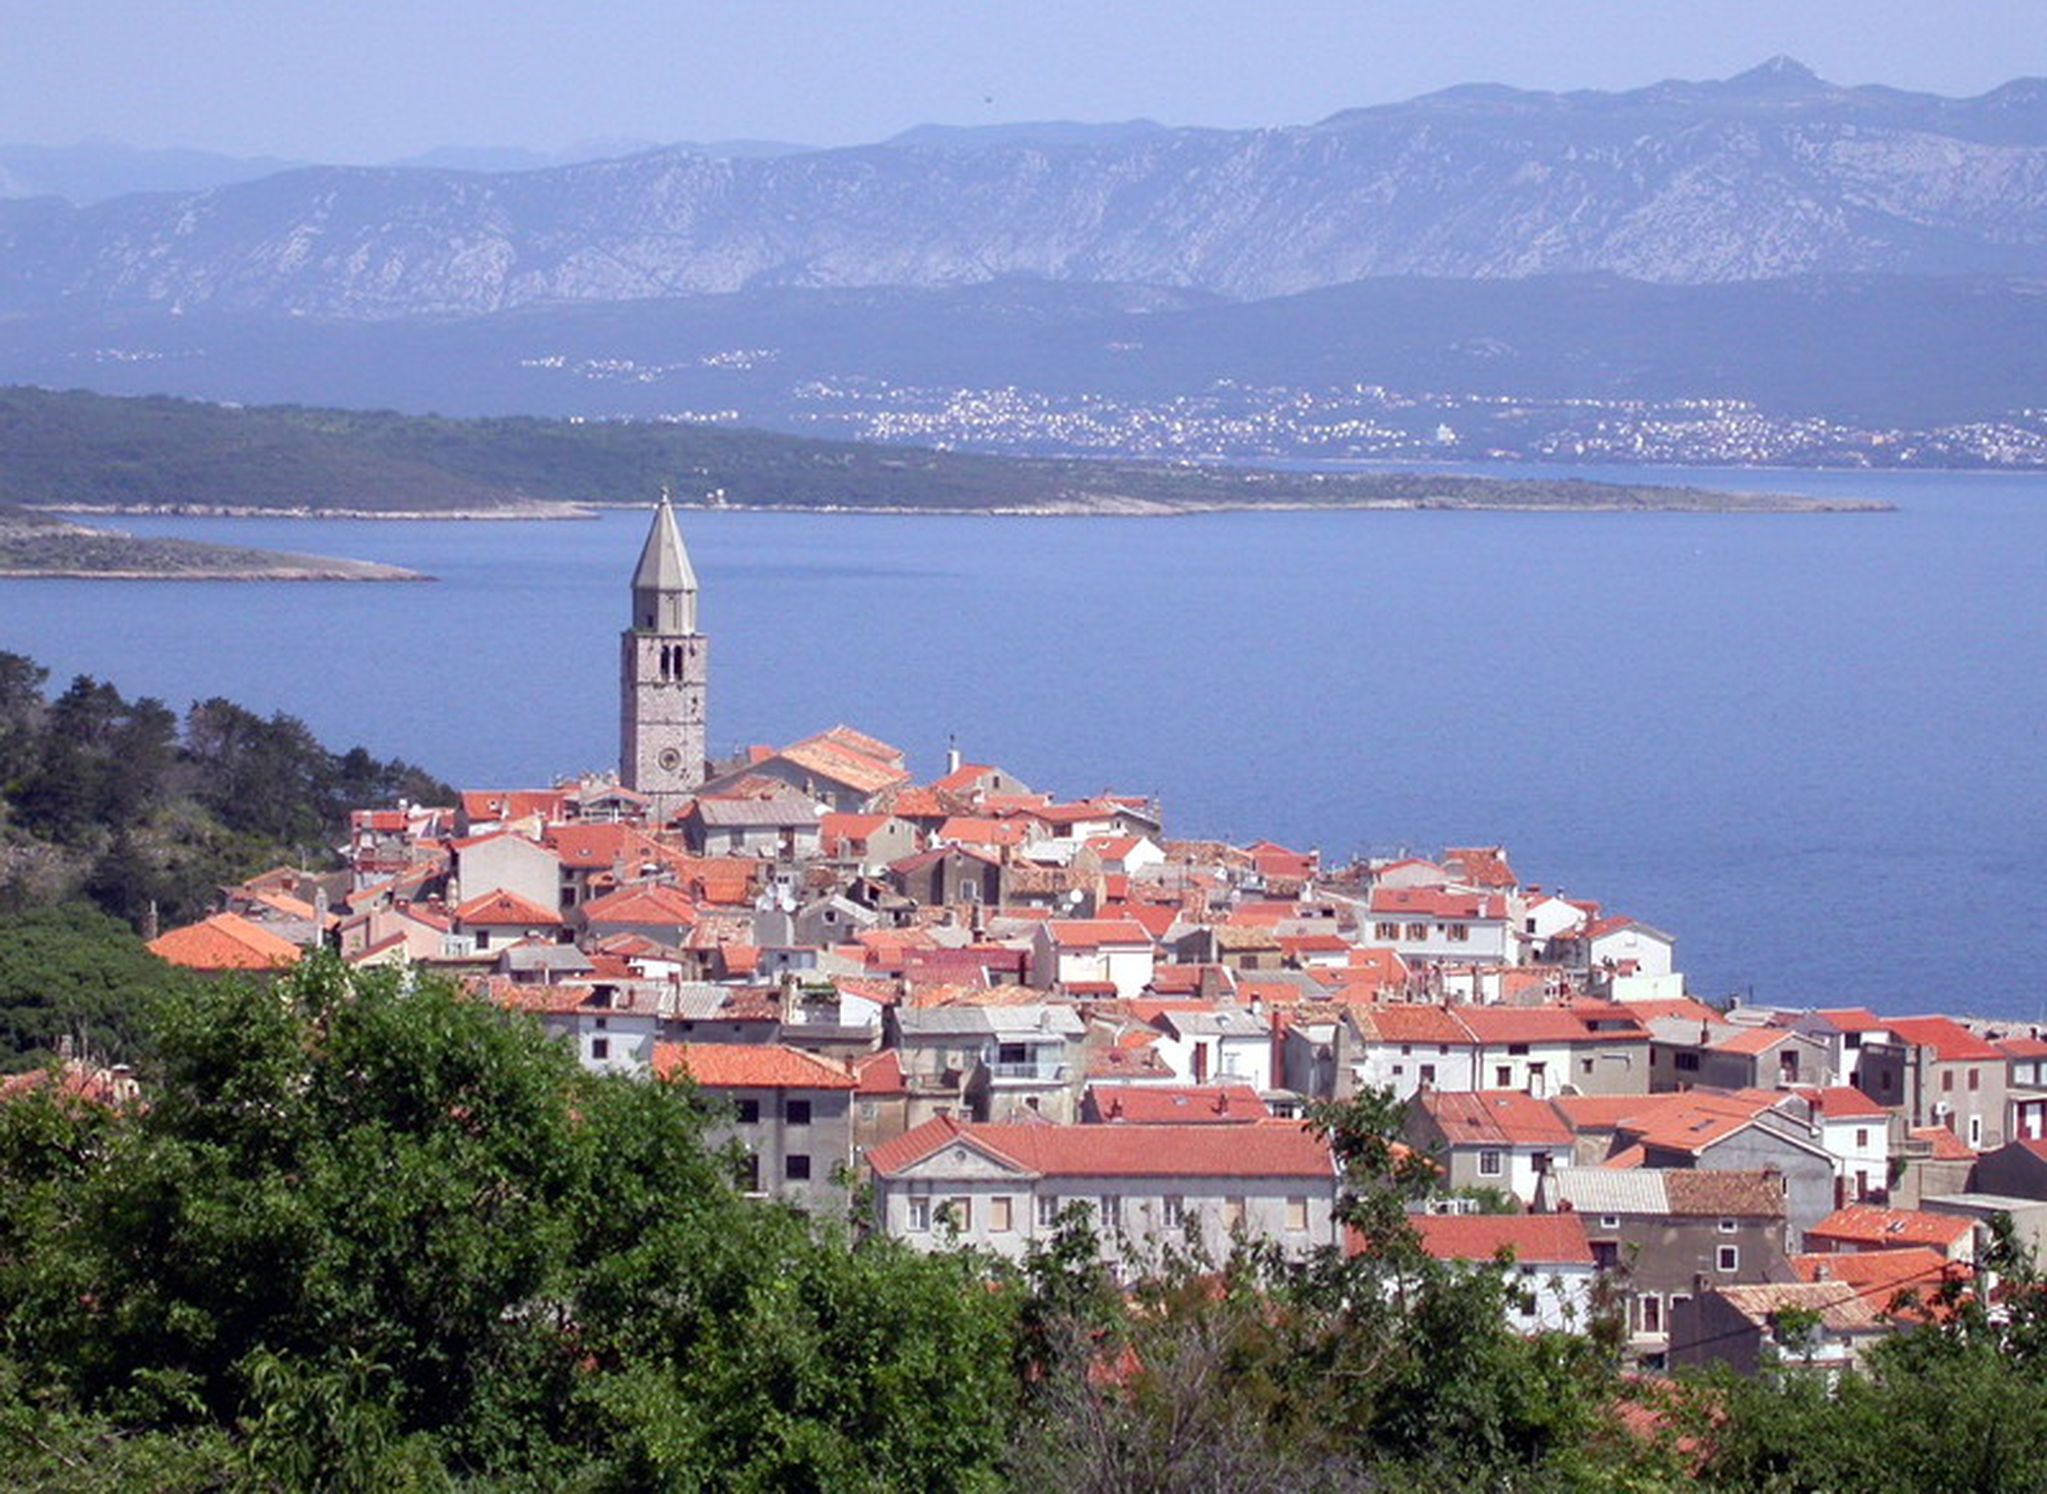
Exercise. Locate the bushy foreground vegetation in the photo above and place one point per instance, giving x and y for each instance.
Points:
(366, 1235)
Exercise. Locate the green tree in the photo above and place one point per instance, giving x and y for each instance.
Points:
(74, 972)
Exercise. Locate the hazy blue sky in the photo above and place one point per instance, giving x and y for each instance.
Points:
(369, 79)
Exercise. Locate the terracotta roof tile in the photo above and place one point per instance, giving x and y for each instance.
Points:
(749, 1066)
(1277, 1150)
(1534, 1239)
(226, 941)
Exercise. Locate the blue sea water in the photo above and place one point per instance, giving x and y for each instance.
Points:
(1811, 747)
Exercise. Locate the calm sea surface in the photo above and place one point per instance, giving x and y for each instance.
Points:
(1813, 748)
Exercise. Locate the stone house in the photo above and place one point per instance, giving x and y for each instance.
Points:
(790, 1111)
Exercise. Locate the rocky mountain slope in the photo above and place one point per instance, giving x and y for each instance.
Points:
(1769, 174)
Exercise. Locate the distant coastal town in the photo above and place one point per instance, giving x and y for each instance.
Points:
(967, 1008)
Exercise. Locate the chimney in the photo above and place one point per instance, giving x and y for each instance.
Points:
(150, 922)
(952, 755)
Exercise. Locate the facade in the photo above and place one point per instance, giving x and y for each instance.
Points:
(664, 670)
(791, 1112)
(1551, 1261)
(1500, 1139)
(1940, 1074)
(1671, 1233)
(1144, 1189)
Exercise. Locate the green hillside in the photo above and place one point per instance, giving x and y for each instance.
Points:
(90, 452)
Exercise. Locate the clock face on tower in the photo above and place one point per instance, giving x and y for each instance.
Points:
(669, 759)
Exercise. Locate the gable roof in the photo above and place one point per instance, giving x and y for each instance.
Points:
(1948, 1039)
(649, 903)
(226, 941)
(505, 909)
(1865, 1224)
(1534, 1239)
(1276, 1149)
(749, 1066)
(1494, 1117)
(1177, 1104)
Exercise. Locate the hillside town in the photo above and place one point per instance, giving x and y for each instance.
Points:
(962, 1010)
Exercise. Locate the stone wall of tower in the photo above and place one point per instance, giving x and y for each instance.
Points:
(661, 729)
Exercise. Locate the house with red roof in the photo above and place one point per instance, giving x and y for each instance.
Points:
(1144, 1189)
(947, 875)
(2025, 1084)
(845, 770)
(1493, 1138)
(1439, 923)
(1113, 952)
(1855, 1130)
(653, 910)
(496, 919)
(1593, 1047)
(1172, 1105)
(1939, 1073)
(1548, 1256)
(223, 944)
(1866, 1227)
(1407, 1047)
(791, 1112)
(865, 842)
(1844, 1030)
(1728, 1055)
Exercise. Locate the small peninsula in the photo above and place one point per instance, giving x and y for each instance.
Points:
(37, 546)
(94, 454)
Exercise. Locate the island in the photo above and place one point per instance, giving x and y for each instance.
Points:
(94, 454)
(36, 546)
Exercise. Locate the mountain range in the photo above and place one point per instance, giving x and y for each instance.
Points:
(1863, 252)
(1771, 173)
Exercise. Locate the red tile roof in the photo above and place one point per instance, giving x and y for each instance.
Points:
(662, 907)
(1435, 902)
(749, 1066)
(1947, 1147)
(1273, 1150)
(881, 1074)
(1481, 866)
(1843, 1102)
(1948, 1039)
(501, 909)
(1178, 1104)
(1863, 1224)
(1505, 1117)
(1534, 1239)
(1093, 933)
(226, 941)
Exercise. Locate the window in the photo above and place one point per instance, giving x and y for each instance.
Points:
(1975, 1130)
(1001, 1214)
(961, 1212)
(1728, 1226)
(1417, 931)
(1861, 1136)
(600, 1049)
(1652, 1314)
(1012, 1053)
(1883, 1080)
(1503, 1076)
(1517, 1050)
(796, 1167)
(1540, 1161)
(1233, 1214)
(1297, 1214)
(1399, 1069)
(1687, 1061)
(1048, 1211)
(1406, 1050)
(750, 1174)
(1975, 1078)
(1852, 1040)
(1947, 1078)
(1585, 1064)
(1609, 1221)
(1458, 933)
(749, 1112)
(1173, 1210)
(797, 1112)
(1489, 1164)
(1386, 931)
(483, 938)
(1111, 1211)
(1727, 1258)
(1428, 1073)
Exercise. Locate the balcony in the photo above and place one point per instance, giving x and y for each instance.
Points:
(1047, 1072)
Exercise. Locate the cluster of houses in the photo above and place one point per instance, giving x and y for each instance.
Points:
(1002, 1009)
(996, 1006)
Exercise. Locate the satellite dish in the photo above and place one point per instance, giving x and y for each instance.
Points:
(1074, 897)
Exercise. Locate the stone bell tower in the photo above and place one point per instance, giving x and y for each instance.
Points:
(663, 661)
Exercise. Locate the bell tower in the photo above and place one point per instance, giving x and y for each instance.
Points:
(663, 669)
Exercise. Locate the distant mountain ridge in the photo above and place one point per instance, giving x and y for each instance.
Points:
(1769, 174)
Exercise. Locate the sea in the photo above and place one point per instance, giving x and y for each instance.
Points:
(1811, 747)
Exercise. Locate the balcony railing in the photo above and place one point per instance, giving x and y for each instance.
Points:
(1042, 1073)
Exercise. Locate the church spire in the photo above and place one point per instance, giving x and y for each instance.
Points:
(664, 584)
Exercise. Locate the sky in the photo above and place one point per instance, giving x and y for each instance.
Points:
(371, 80)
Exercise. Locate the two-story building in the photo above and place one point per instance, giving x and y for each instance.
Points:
(1145, 1190)
(790, 1111)
(1439, 923)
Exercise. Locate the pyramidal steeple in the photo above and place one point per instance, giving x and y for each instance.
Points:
(664, 582)
(664, 663)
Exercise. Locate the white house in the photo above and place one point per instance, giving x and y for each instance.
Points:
(1855, 1131)
(1142, 1188)
(1402, 1048)
(1439, 923)
(1092, 954)
(1552, 1273)
(1216, 1044)
(1622, 944)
